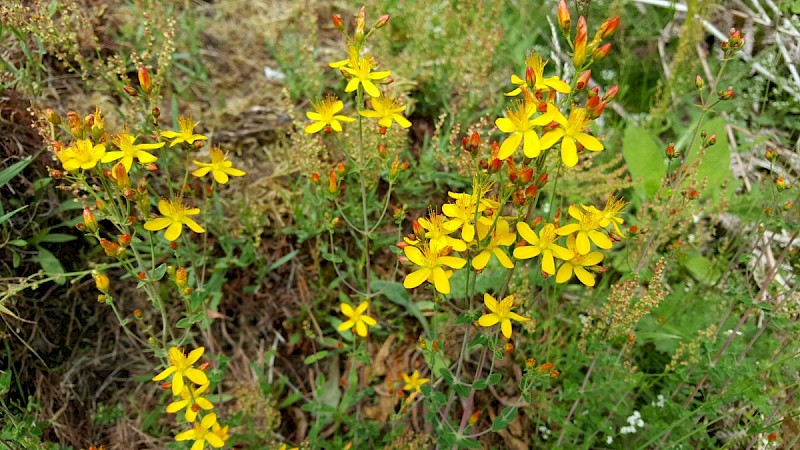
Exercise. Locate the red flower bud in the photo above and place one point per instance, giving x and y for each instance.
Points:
(315, 178)
(608, 28)
(611, 93)
(601, 52)
(144, 80)
(124, 240)
(564, 21)
(583, 80)
(131, 91)
(338, 23)
(579, 54)
(530, 77)
(382, 21)
(474, 141)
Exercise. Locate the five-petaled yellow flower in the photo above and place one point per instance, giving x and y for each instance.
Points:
(362, 74)
(220, 167)
(128, 150)
(356, 318)
(518, 122)
(501, 237)
(578, 265)
(413, 382)
(568, 132)
(431, 262)
(500, 313)
(536, 63)
(586, 229)
(176, 215)
(186, 133)
(610, 214)
(386, 110)
(543, 244)
(437, 231)
(202, 433)
(192, 400)
(181, 366)
(83, 154)
(324, 115)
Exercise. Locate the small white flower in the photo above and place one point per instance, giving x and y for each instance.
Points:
(609, 440)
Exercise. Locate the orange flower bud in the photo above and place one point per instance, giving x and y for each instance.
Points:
(554, 373)
(181, 277)
(607, 28)
(156, 112)
(530, 77)
(670, 151)
(474, 142)
(601, 52)
(89, 220)
(780, 182)
(124, 240)
(583, 80)
(120, 176)
(530, 363)
(75, 124)
(315, 178)
(144, 80)
(332, 184)
(340, 168)
(473, 418)
(204, 366)
(579, 54)
(404, 165)
(141, 275)
(173, 245)
(564, 22)
(56, 174)
(769, 155)
(101, 281)
(519, 197)
(611, 93)
(509, 347)
(382, 21)
(531, 191)
(166, 385)
(338, 23)
(525, 175)
(137, 313)
(131, 91)
(545, 367)
(393, 168)
(435, 345)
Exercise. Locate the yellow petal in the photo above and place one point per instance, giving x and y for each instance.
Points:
(505, 125)
(550, 138)
(347, 310)
(505, 328)
(526, 252)
(440, 280)
(196, 375)
(416, 278)
(195, 355)
(314, 127)
(490, 302)
(527, 233)
(487, 320)
(157, 224)
(564, 273)
(501, 256)
(585, 276)
(164, 373)
(194, 226)
(589, 141)
(509, 146)
(174, 231)
(569, 153)
(480, 261)
(414, 255)
(600, 240)
(530, 145)
(548, 263)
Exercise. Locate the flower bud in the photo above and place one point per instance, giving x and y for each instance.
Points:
(52, 116)
(474, 142)
(338, 23)
(131, 91)
(699, 83)
(315, 178)
(394, 166)
(530, 77)
(611, 93)
(120, 176)
(607, 28)
(144, 80)
(332, 183)
(554, 373)
(173, 245)
(542, 180)
(419, 232)
(75, 124)
(110, 248)
(670, 151)
(769, 154)
(530, 363)
(101, 281)
(89, 220)
(361, 19)
(579, 54)
(525, 175)
(382, 21)
(137, 313)
(564, 21)
(531, 191)
(156, 112)
(130, 194)
(780, 183)
(124, 240)
(473, 418)
(101, 298)
(519, 197)
(601, 52)
(545, 367)
(508, 347)
(583, 80)
(56, 174)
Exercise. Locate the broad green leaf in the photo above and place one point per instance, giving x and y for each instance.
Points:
(311, 359)
(702, 269)
(494, 378)
(480, 384)
(715, 167)
(50, 264)
(645, 160)
(508, 414)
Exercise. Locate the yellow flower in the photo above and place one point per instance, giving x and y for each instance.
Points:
(192, 400)
(568, 132)
(128, 150)
(220, 431)
(220, 167)
(387, 111)
(609, 214)
(175, 216)
(181, 366)
(578, 265)
(438, 232)
(462, 212)
(83, 154)
(537, 64)
(518, 122)
(356, 318)
(500, 237)
(351, 61)
(544, 244)
(431, 261)
(186, 133)
(500, 313)
(363, 75)
(324, 115)
(201, 433)
(585, 229)
(413, 382)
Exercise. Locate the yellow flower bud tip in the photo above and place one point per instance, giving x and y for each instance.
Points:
(101, 282)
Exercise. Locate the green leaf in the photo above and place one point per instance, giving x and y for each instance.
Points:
(468, 443)
(57, 238)
(8, 215)
(396, 293)
(715, 167)
(494, 378)
(311, 359)
(702, 269)
(13, 170)
(283, 260)
(480, 384)
(18, 242)
(159, 272)
(508, 414)
(50, 264)
(645, 160)
(464, 317)
(480, 339)
(290, 400)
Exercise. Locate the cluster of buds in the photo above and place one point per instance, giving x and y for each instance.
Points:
(707, 140)
(471, 144)
(725, 94)
(670, 151)
(361, 23)
(595, 105)
(734, 43)
(523, 179)
(583, 50)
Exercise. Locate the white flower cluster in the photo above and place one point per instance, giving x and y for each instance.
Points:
(546, 432)
(659, 403)
(635, 420)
